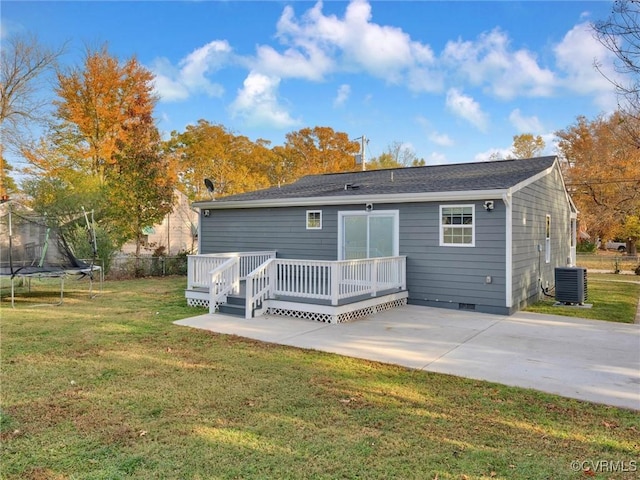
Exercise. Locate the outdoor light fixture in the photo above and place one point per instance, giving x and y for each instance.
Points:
(488, 205)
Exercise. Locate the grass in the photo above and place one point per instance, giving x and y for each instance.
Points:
(109, 388)
(614, 298)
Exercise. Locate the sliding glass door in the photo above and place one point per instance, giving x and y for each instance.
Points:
(367, 234)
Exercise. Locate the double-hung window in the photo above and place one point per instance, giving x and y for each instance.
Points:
(457, 225)
(314, 219)
(547, 240)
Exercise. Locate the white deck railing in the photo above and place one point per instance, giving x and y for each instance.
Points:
(224, 279)
(259, 287)
(200, 266)
(330, 281)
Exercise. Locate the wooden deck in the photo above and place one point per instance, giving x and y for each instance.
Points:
(327, 291)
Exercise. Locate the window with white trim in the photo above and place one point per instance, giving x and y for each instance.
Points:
(457, 225)
(547, 240)
(368, 234)
(314, 219)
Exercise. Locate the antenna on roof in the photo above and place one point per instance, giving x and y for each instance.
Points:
(209, 184)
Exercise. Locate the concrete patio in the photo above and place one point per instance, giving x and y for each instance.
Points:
(589, 360)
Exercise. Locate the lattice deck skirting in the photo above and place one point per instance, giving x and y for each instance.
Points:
(339, 313)
(198, 302)
(324, 313)
(340, 317)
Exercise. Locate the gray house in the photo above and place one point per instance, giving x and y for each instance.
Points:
(483, 236)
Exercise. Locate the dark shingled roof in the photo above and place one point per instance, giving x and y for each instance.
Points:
(495, 175)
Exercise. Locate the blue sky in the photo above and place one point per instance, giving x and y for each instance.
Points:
(454, 81)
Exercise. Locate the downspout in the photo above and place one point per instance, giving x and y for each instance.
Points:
(508, 261)
(200, 217)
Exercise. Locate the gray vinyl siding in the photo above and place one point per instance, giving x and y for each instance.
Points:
(531, 205)
(281, 229)
(447, 276)
(439, 276)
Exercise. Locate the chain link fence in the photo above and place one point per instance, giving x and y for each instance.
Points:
(146, 266)
(608, 263)
(149, 266)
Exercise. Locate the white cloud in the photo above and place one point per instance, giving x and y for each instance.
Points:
(489, 61)
(466, 108)
(3, 29)
(312, 64)
(576, 56)
(493, 154)
(436, 158)
(190, 78)
(525, 124)
(342, 96)
(257, 103)
(9, 27)
(441, 139)
(354, 42)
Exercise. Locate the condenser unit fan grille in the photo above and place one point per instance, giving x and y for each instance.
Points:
(571, 284)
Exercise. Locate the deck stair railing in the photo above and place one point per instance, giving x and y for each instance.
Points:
(259, 287)
(221, 273)
(199, 266)
(225, 280)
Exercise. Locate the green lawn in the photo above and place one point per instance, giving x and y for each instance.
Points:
(614, 298)
(109, 388)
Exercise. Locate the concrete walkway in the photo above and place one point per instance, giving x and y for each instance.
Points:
(585, 359)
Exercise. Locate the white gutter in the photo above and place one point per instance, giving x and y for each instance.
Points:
(351, 199)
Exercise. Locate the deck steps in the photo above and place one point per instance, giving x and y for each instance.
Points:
(235, 305)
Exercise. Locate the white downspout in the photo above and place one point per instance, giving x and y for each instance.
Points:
(573, 221)
(508, 263)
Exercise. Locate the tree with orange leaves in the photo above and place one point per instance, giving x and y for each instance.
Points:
(105, 138)
(602, 171)
(98, 102)
(232, 162)
(319, 150)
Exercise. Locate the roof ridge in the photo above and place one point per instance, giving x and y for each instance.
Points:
(418, 167)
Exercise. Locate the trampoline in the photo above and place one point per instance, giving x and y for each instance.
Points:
(34, 246)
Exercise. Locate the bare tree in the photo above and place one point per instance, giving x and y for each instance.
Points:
(620, 33)
(22, 65)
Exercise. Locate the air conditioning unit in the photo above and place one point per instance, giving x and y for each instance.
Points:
(571, 285)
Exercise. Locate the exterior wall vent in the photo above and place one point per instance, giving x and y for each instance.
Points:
(571, 285)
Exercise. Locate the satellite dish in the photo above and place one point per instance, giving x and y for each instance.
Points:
(209, 184)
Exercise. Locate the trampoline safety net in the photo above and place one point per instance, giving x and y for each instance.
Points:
(32, 245)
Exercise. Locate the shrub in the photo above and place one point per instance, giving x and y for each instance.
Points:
(586, 247)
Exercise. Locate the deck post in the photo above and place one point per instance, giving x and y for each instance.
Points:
(248, 303)
(374, 277)
(272, 278)
(236, 278)
(335, 284)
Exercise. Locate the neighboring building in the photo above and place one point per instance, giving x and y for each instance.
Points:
(481, 236)
(177, 233)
